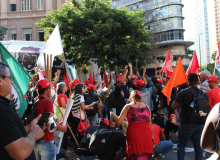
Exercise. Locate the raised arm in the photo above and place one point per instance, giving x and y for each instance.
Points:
(145, 81)
(124, 77)
(131, 71)
(155, 68)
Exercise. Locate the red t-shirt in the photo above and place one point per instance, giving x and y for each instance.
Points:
(45, 105)
(157, 132)
(214, 97)
(59, 97)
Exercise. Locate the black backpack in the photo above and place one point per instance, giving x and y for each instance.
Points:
(100, 139)
(84, 143)
(111, 100)
(90, 98)
(199, 112)
(30, 113)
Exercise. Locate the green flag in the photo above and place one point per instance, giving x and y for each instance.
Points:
(20, 83)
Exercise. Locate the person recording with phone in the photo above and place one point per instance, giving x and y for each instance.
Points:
(46, 149)
(16, 141)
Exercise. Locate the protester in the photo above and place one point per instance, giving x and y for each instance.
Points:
(121, 91)
(205, 85)
(194, 130)
(72, 87)
(139, 132)
(62, 99)
(161, 145)
(17, 141)
(92, 114)
(42, 149)
(161, 109)
(78, 109)
(214, 93)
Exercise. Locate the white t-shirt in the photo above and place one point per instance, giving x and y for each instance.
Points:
(82, 111)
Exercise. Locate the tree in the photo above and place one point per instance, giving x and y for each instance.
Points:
(214, 56)
(2, 32)
(189, 53)
(93, 29)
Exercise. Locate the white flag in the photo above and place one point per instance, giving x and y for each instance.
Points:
(53, 46)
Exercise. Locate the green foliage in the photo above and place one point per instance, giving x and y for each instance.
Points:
(189, 53)
(2, 32)
(214, 56)
(93, 29)
(210, 67)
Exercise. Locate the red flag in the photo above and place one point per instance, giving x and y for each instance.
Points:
(167, 65)
(93, 77)
(178, 77)
(66, 80)
(194, 65)
(90, 78)
(105, 79)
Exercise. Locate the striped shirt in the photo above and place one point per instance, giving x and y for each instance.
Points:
(75, 107)
(205, 86)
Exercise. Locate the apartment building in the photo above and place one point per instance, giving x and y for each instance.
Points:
(20, 16)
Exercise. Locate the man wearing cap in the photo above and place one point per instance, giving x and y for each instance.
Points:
(121, 91)
(46, 149)
(214, 93)
(16, 141)
(205, 85)
(160, 95)
(92, 114)
(72, 86)
(146, 93)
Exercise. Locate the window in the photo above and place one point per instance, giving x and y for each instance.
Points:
(27, 34)
(40, 35)
(40, 4)
(13, 34)
(12, 5)
(26, 5)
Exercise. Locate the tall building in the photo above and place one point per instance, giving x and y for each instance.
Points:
(168, 31)
(205, 29)
(20, 16)
(217, 18)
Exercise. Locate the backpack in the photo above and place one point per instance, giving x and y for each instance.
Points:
(111, 100)
(90, 98)
(84, 143)
(100, 139)
(30, 113)
(199, 108)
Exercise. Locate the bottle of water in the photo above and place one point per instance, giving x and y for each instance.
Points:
(192, 104)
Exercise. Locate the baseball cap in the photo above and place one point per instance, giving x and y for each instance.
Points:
(75, 81)
(134, 77)
(119, 74)
(119, 78)
(160, 81)
(140, 82)
(43, 83)
(81, 128)
(200, 73)
(213, 78)
(86, 81)
(135, 83)
(91, 87)
(105, 121)
(139, 93)
(164, 79)
(172, 118)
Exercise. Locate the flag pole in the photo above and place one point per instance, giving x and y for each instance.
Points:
(50, 73)
(45, 64)
(67, 72)
(48, 65)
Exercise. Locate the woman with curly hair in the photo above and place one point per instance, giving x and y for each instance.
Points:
(139, 132)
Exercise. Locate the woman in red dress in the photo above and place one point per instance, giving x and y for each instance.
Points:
(139, 132)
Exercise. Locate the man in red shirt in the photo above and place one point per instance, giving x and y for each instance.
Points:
(46, 149)
(214, 93)
(161, 146)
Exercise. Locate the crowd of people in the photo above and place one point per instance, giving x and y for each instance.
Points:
(137, 100)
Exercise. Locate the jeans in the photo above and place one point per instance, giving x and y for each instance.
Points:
(164, 147)
(93, 120)
(185, 132)
(106, 110)
(45, 150)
